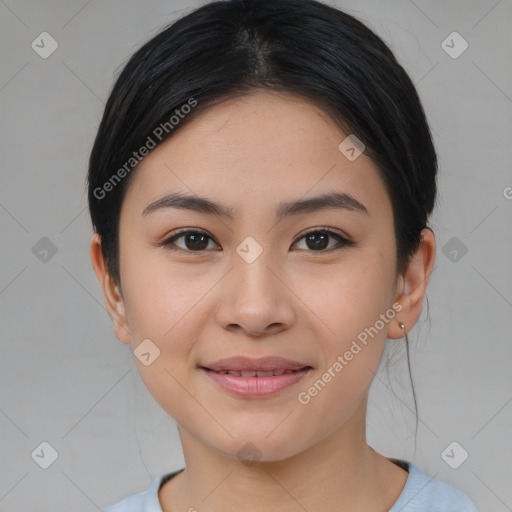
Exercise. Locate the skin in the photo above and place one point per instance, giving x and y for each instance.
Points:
(294, 301)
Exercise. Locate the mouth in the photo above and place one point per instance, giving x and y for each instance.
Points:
(251, 378)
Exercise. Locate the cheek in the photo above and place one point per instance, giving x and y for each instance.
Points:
(351, 297)
(353, 306)
(351, 357)
(158, 296)
(160, 306)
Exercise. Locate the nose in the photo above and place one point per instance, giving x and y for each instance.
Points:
(257, 301)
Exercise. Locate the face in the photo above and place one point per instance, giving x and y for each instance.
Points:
(258, 278)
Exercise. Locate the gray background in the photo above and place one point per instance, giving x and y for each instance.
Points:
(64, 377)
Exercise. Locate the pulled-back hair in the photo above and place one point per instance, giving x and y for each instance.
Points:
(230, 48)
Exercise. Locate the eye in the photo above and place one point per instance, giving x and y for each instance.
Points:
(194, 240)
(318, 240)
(197, 241)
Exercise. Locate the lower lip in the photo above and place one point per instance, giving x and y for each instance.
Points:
(256, 386)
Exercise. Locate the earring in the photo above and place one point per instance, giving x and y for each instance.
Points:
(402, 326)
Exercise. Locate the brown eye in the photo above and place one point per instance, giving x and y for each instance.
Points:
(193, 241)
(318, 240)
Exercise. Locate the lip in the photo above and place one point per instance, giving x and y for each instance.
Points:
(254, 386)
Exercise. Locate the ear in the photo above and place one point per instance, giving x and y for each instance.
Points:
(111, 291)
(412, 284)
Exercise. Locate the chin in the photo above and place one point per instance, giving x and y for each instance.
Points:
(251, 449)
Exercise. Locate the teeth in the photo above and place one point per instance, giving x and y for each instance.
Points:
(255, 373)
(265, 374)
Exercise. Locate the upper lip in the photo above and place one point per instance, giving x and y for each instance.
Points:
(263, 364)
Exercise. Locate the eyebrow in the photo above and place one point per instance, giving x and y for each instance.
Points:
(198, 204)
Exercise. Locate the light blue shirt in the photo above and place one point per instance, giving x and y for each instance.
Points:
(420, 494)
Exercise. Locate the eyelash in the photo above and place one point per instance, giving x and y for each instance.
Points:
(342, 241)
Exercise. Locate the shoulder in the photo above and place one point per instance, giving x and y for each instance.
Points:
(423, 493)
(132, 503)
(144, 501)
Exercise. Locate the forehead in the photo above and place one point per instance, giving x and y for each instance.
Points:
(257, 148)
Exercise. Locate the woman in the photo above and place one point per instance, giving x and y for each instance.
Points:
(260, 188)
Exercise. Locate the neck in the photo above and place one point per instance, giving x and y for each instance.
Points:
(341, 472)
